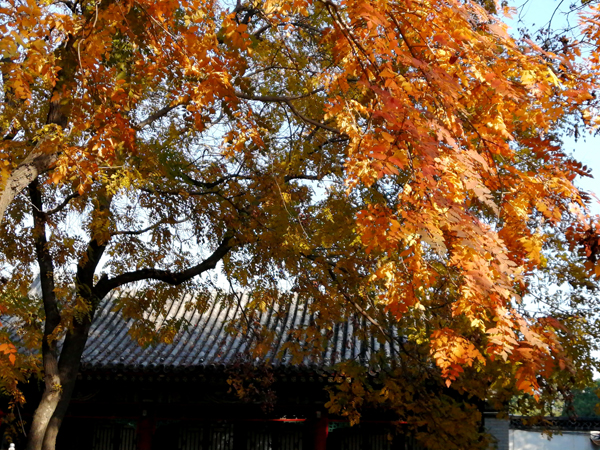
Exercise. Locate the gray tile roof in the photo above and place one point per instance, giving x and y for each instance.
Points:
(218, 337)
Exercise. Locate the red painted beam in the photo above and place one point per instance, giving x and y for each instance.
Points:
(145, 431)
(321, 429)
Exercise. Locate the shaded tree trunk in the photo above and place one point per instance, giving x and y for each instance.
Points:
(52, 385)
(70, 358)
(47, 406)
(38, 162)
(61, 374)
(59, 387)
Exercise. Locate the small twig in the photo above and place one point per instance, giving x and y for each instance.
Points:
(149, 228)
(289, 178)
(21, 420)
(96, 18)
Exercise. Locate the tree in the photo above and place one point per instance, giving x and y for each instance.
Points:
(397, 161)
(583, 402)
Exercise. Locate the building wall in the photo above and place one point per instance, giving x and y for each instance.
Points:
(535, 440)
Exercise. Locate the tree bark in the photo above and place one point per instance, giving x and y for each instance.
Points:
(55, 401)
(69, 362)
(38, 162)
(35, 164)
(77, 335)
(52, 386)
(59, 375)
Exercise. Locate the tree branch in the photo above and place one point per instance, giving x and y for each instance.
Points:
(289, 178)
(356, 306)
(261, 30)
(149, 228)
(362, 311)
(276, 98)
(84, 279)
(35, 164)
(177, 192)
(44, 258)
(105, 285)
(213, 184)
(157, 115)
(288, 102)
(64, 203)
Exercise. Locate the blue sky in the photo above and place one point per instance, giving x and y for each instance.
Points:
(535, 14)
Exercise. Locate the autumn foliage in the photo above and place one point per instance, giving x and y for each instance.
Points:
(395, 161)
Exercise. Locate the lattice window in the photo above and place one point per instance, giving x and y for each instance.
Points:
(274, 436)
(114, 436)
(221, 437)
(191, 438)
(343, 437)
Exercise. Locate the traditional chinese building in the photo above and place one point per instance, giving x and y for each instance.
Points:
(177, 396)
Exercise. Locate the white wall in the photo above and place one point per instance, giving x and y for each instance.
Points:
(534, 440)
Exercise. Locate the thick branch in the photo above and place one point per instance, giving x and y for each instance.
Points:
(105, 285)
(261, 30)
(157, 115)
(35, 164)
(88, 264)
(58, 112)
(64, 203)
(213, 184)
(45, 263)
(288, 102)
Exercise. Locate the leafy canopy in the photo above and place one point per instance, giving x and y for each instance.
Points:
(395, 161)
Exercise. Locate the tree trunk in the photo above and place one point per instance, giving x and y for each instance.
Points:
(49, 442)
(76, 337)
(52, 385)
(59, 386)
(70, 358)
(46, 408)
(38, 162)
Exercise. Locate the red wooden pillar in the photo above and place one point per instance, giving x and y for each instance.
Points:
(145, 430)
(320, 431)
